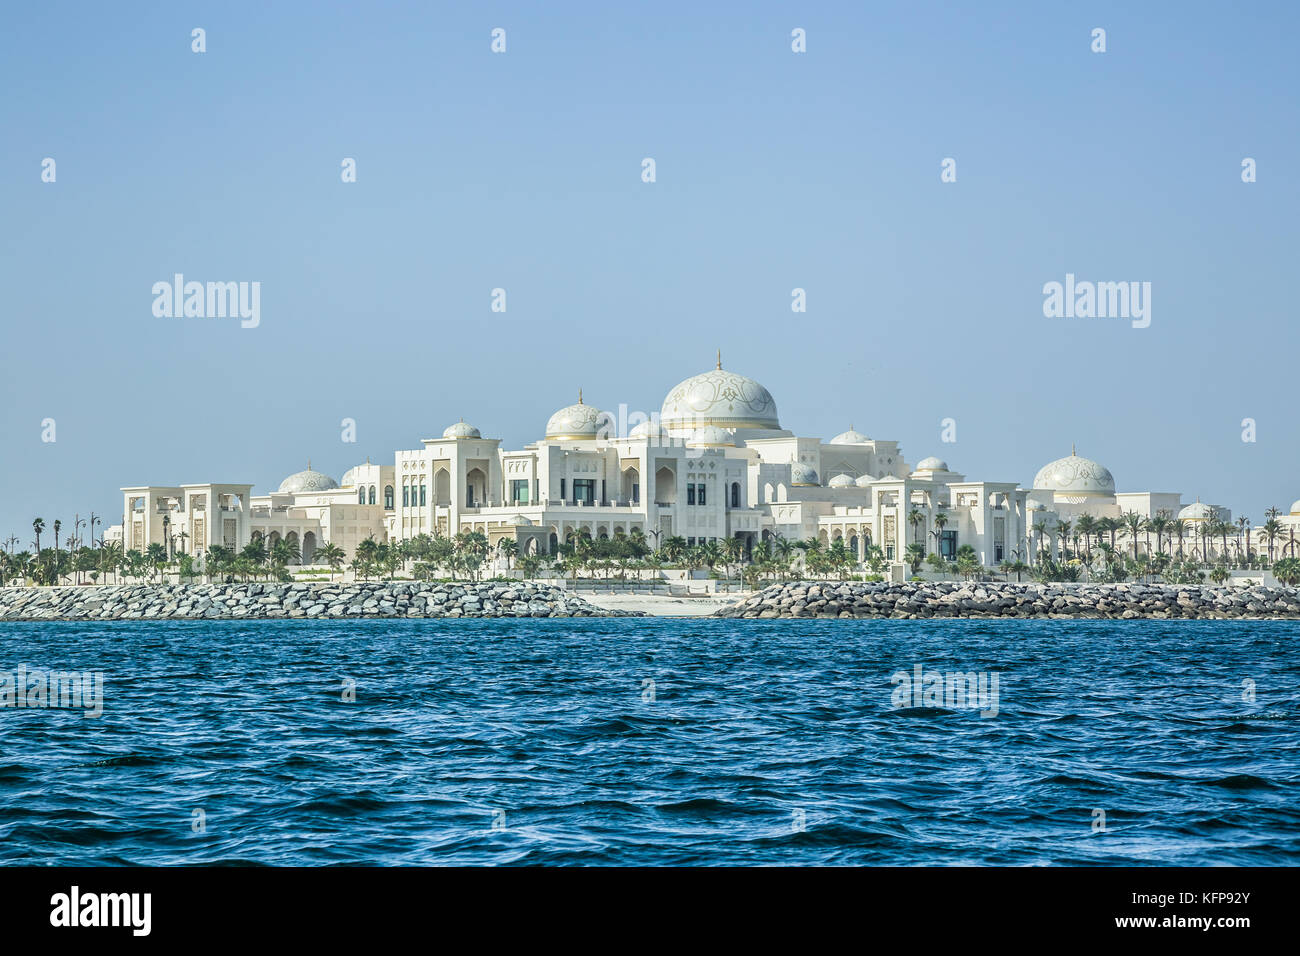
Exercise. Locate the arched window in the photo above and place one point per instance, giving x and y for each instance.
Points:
(406, 496)
(423, 495)
(735, 494)
(361, 495)
(372, 494)
(388, 497)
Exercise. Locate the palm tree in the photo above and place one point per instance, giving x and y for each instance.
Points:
(155, 558)
(674, 547)
(1040, 529)
(110, 557)
(1159, 524)
(332, 555)
(916, 518)
(1272, 529)
(38, 526)
(1178, 529)
(710, 553)
(1063, 532)
(1243, 522)
(732, 549)
(1205, 528)
(1224, 528)
(1133, 521)
(940, 521)
(1086, 525)
(284, 553)
(510, 548)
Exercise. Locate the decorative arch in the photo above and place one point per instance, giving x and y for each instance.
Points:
(665, 486)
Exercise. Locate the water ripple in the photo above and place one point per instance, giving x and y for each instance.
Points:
(629, 742)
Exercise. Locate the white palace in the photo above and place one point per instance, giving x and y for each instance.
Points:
(715, 464)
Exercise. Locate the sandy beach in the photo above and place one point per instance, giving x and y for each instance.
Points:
(663, 605)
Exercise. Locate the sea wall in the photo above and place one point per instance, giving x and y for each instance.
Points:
(918, 599)
(300, 600)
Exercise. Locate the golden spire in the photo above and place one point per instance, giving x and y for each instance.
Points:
(719, 358)
(309, 464)
(579, 395)
(1073, 453)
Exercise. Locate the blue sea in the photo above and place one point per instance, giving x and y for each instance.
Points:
(655, 741)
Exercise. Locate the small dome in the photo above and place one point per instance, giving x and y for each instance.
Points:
(931, 464)
(840, 481)
(1197, 512)
(850, 437)
(1075, 479)
(1037, 506)
(651, 430)
(1295, 507)
(801, 474)
(461, 430)
(521, 520)
(350, 477)
(307, 481)
(864, 481)
(710, 436)
(578, 421)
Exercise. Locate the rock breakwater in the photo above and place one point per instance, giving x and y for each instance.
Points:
(833, 599)
(298, 600)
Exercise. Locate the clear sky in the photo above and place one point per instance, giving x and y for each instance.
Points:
(522, 171)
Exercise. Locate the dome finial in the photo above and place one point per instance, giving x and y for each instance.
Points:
(1072, 451)
(309, 464)
(719, 358)
(579, 394)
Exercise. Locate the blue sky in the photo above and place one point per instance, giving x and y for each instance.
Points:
(522, 171)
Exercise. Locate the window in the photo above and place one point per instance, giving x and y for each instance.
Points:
(690, 542)
(519, 491)
(406, 496)
(699, 495)
(562, 495)
(388, 497)
(948, 545)
(584, 490)
(636, 493)
(361, 496)
(690, 493)
(423, 495)
(469, 494)
(735, 494)
(998, 552)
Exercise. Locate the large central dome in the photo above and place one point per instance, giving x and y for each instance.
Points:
(1075, 479)
(720, 399)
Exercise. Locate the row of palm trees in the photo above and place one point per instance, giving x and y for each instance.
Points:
(1224, 541)
(1096, 542)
